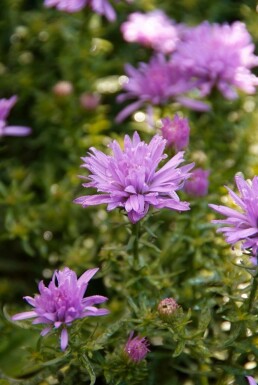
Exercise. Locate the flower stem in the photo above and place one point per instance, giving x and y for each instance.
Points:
(252, 293)
(136, 233)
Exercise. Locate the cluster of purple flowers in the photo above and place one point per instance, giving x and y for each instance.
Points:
(204, 57)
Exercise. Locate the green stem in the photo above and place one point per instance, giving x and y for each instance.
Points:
(252, 293)
(136, 233)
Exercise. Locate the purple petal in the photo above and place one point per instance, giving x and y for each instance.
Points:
(128, 111)
(93, 300)
(91, 200)
(195, 105)
(85, 277)
(64, 339)
(24, 315)
(94, 312)
(251, 380)
(17, 131)
(45, 331)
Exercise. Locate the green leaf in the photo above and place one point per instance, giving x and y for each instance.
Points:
(179, 348)
(86, 363)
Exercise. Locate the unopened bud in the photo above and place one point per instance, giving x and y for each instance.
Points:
(63, 88)
(89, 101)
(167, 308)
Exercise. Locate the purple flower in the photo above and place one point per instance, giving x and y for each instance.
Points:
(136, 348)
(176, 132)
(241, 225)
(5, 107)
(153, 29)
(129, 178)
(62, 302)
(155, 83)
(251, 380)
(197, 185)
(219, 56)
(101, 7)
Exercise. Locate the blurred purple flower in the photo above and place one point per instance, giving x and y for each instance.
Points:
(102, 7)
(136, 348)
(155, 83)
(62, 302)
(197, 185)
(176, 132)
(219, 56)
(251, 380)
(153, 29)
(129, 179)
(5, 107)
(241, 226)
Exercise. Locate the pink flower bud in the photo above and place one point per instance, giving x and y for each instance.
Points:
(63, 88)
(197, 185)
(89, 101)
(176, 132)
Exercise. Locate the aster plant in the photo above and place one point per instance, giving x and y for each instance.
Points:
(62, 302)
(218, 56)
(129, 178)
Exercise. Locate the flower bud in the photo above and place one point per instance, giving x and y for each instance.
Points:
(63, 88)
(197, 185)
(136, 348)
(176, 132)
(89, 101)
(167, 308)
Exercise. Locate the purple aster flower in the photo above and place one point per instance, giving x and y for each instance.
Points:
(197, 185)
(155, 83)
(219, 56)
(5, 107)
(153, 29)
(136, 348)
(241, 225)
(129, 178)
(62, 302)
(176, 132)
(251, 380)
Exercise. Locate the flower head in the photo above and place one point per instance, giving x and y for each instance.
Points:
(5, 107)
(62, 302)
(153, 29)
(130, 179)
(176, 132)
(198, 184)
(101, 7)
(241, 225)
(136, 348)
(154, 83)
(219, 56)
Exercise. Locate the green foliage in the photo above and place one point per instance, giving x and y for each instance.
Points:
(212, 340)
